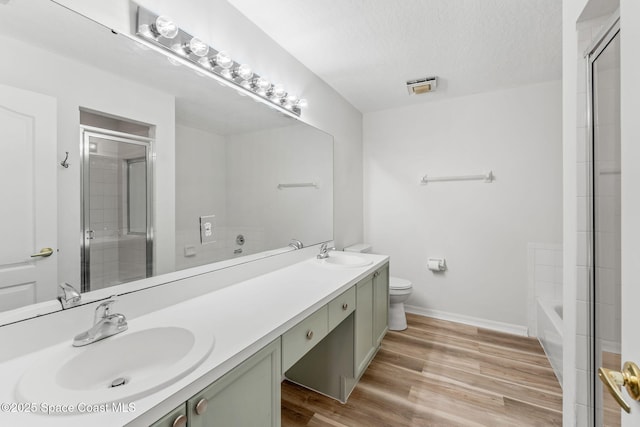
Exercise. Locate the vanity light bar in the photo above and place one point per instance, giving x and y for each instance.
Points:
(163, 32)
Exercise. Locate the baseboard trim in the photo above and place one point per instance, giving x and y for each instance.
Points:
(508, 328)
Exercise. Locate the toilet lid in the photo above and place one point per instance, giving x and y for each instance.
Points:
(397, 283)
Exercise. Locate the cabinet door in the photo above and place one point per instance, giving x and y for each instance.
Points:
(364, 326)
(249, 395)
(175, 418)
(380, 304)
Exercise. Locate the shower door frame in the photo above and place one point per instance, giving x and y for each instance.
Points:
(611, 29)
(87, 132)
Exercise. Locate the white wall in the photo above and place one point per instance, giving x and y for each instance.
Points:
(257, 163)
(481, 229)
(77, 85)
(201, 189)
(222, 26)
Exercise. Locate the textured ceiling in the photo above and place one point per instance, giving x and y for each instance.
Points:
(367, 49)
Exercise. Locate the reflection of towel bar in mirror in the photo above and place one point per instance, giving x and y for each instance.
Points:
(298, 185)
(486, 177)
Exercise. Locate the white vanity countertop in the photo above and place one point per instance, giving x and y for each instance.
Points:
(243, 318)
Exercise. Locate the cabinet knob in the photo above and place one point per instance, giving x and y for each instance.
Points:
(180, 421)
(345, 306)
(201, 406)
(376, 274)
(309, 334)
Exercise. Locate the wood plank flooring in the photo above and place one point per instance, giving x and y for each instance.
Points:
(439, 373)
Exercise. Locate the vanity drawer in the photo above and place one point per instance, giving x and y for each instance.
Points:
(297, 341)
(341, 307)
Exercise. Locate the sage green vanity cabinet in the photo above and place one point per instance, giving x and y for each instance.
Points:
(175, 418)
(327, 351)
(249, 395)
(380, 304)
(334, 365)
(341, 307)
(297, 341)
(364, 347)
(372, 316)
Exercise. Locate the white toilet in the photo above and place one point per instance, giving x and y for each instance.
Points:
(399, 292)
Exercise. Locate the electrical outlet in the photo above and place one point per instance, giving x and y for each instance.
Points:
(207, 234)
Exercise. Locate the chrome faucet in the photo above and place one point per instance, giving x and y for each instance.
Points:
(324, 251)
(105, 325)
(68, 295)
(296, 244)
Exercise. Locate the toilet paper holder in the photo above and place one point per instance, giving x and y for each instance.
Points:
(437, 264)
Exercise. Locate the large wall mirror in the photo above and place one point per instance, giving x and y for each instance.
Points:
(121, 163)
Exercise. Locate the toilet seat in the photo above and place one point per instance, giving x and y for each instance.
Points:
(398, 284)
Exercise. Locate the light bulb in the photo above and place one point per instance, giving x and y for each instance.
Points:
(262, 83)
(224, 60)
(290, 101)
(166, 27)
(246, 84)
(244, 72)
(278, 91)
(226, 73)
(302, 103)
(198, 47)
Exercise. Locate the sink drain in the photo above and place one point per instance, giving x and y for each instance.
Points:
(118, 382)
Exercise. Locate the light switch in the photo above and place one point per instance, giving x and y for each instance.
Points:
(189, 251)
(207, 234)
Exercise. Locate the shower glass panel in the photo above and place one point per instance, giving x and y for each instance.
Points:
(116, 217)
(605, 127)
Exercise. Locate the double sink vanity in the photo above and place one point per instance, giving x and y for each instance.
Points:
(217, 359)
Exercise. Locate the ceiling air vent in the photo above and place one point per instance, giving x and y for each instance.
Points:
(423, 85)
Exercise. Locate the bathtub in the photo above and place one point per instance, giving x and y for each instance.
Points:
(549, 319)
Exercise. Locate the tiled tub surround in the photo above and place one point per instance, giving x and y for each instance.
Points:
(544, 279)
(549, 314)
(243, 317)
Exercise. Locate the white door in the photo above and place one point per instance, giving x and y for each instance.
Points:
(28, 210)
(630, 191)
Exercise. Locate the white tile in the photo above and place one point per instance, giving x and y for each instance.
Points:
(582, 285)
(582, 352)
(545, 273)
(545, 290)
(581, 146)
(584, 188)
(582, 415)
(582, 324)
(583, 224)
(544, 257)
(582, 246)
(582, 387)
(581, 109)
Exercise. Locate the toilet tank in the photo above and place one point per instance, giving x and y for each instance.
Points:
(359, 247)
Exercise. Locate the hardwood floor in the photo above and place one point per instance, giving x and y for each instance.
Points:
(439, 373)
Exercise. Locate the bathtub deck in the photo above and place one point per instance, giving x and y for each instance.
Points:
(439, 373)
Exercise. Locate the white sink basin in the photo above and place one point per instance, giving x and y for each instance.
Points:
(342, 260)
(145, 360)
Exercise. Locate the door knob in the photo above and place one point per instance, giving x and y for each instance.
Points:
(44, 252)
(629, 377)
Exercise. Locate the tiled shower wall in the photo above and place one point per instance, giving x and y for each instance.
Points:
(115, 256)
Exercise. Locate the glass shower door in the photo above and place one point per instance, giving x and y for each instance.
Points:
(606, 274)
(116, 210)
